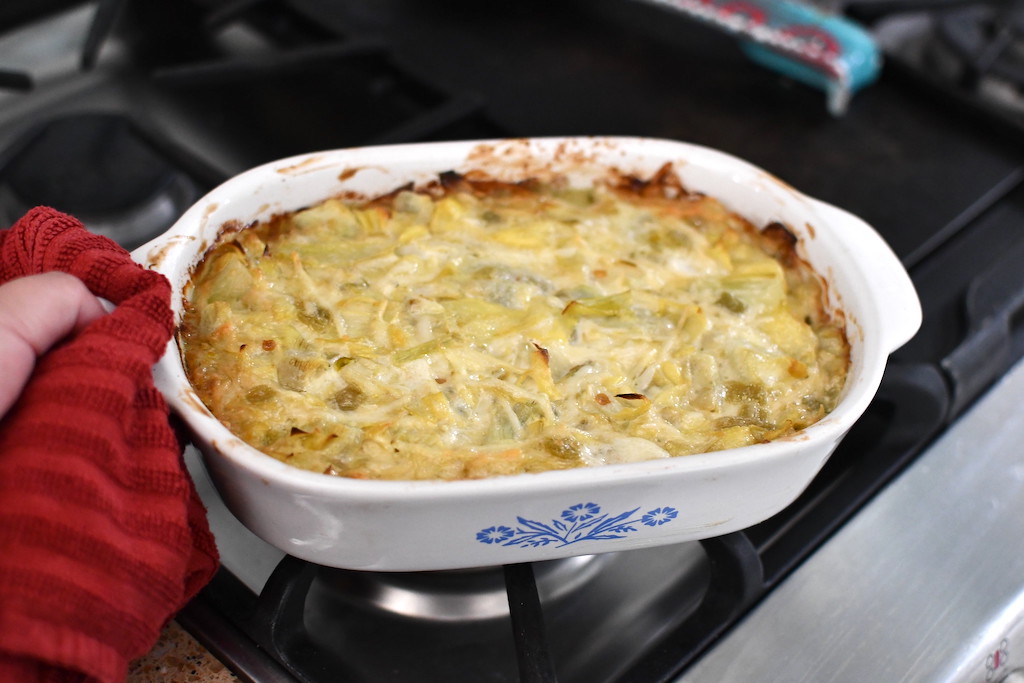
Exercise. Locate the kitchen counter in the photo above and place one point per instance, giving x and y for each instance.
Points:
(178, 658)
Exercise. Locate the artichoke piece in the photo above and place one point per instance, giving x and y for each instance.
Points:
(636, 405)
(296, 372)
(251, 244)
(315, 440)
(414, 352)
(540, 371)
(760, 284)
(349, 398)
(794, 337)
(467, 309)
(261, 393)
(449, 215)
(614, 306)
(695, 325)
(315, 316)
(565, 448)
(745, 392)
(371, 219)
(418, 206)
(479, 319)
(212, 317)
(732, 302)
(577, 196)
(332, 217)
(527, 413)
(582, 291)
(531, 234)
(231, 278)
(438, 406)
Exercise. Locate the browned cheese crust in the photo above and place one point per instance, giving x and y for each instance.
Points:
(473, 328)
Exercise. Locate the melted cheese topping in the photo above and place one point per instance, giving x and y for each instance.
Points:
(475, 329)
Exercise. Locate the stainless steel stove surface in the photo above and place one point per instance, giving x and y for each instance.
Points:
(925, 584)
(125, 111)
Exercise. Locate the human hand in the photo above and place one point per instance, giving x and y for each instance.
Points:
(36, 312)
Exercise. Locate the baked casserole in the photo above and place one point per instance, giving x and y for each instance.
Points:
(470, 328)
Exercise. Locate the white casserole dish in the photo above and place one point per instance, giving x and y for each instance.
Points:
(430, 525)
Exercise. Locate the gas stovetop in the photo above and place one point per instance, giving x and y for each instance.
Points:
(125, 112)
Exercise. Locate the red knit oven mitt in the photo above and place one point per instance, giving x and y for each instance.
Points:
(102, 536)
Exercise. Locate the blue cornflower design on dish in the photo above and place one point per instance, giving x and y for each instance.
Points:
(659, 516)
(578, 522)
(494, 534)
(580, 512)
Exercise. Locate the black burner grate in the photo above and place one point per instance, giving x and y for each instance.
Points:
(988, 41)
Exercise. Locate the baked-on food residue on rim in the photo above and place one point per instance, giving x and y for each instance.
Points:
(472, 328)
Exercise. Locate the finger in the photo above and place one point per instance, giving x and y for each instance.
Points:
(36, 312)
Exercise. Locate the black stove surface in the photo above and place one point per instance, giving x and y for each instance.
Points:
(196, 91)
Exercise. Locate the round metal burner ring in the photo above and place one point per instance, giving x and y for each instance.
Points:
(458, 595)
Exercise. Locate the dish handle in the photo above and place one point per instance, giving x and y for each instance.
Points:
(899, 308)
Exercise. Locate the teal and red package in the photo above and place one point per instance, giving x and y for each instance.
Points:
(822, 49)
